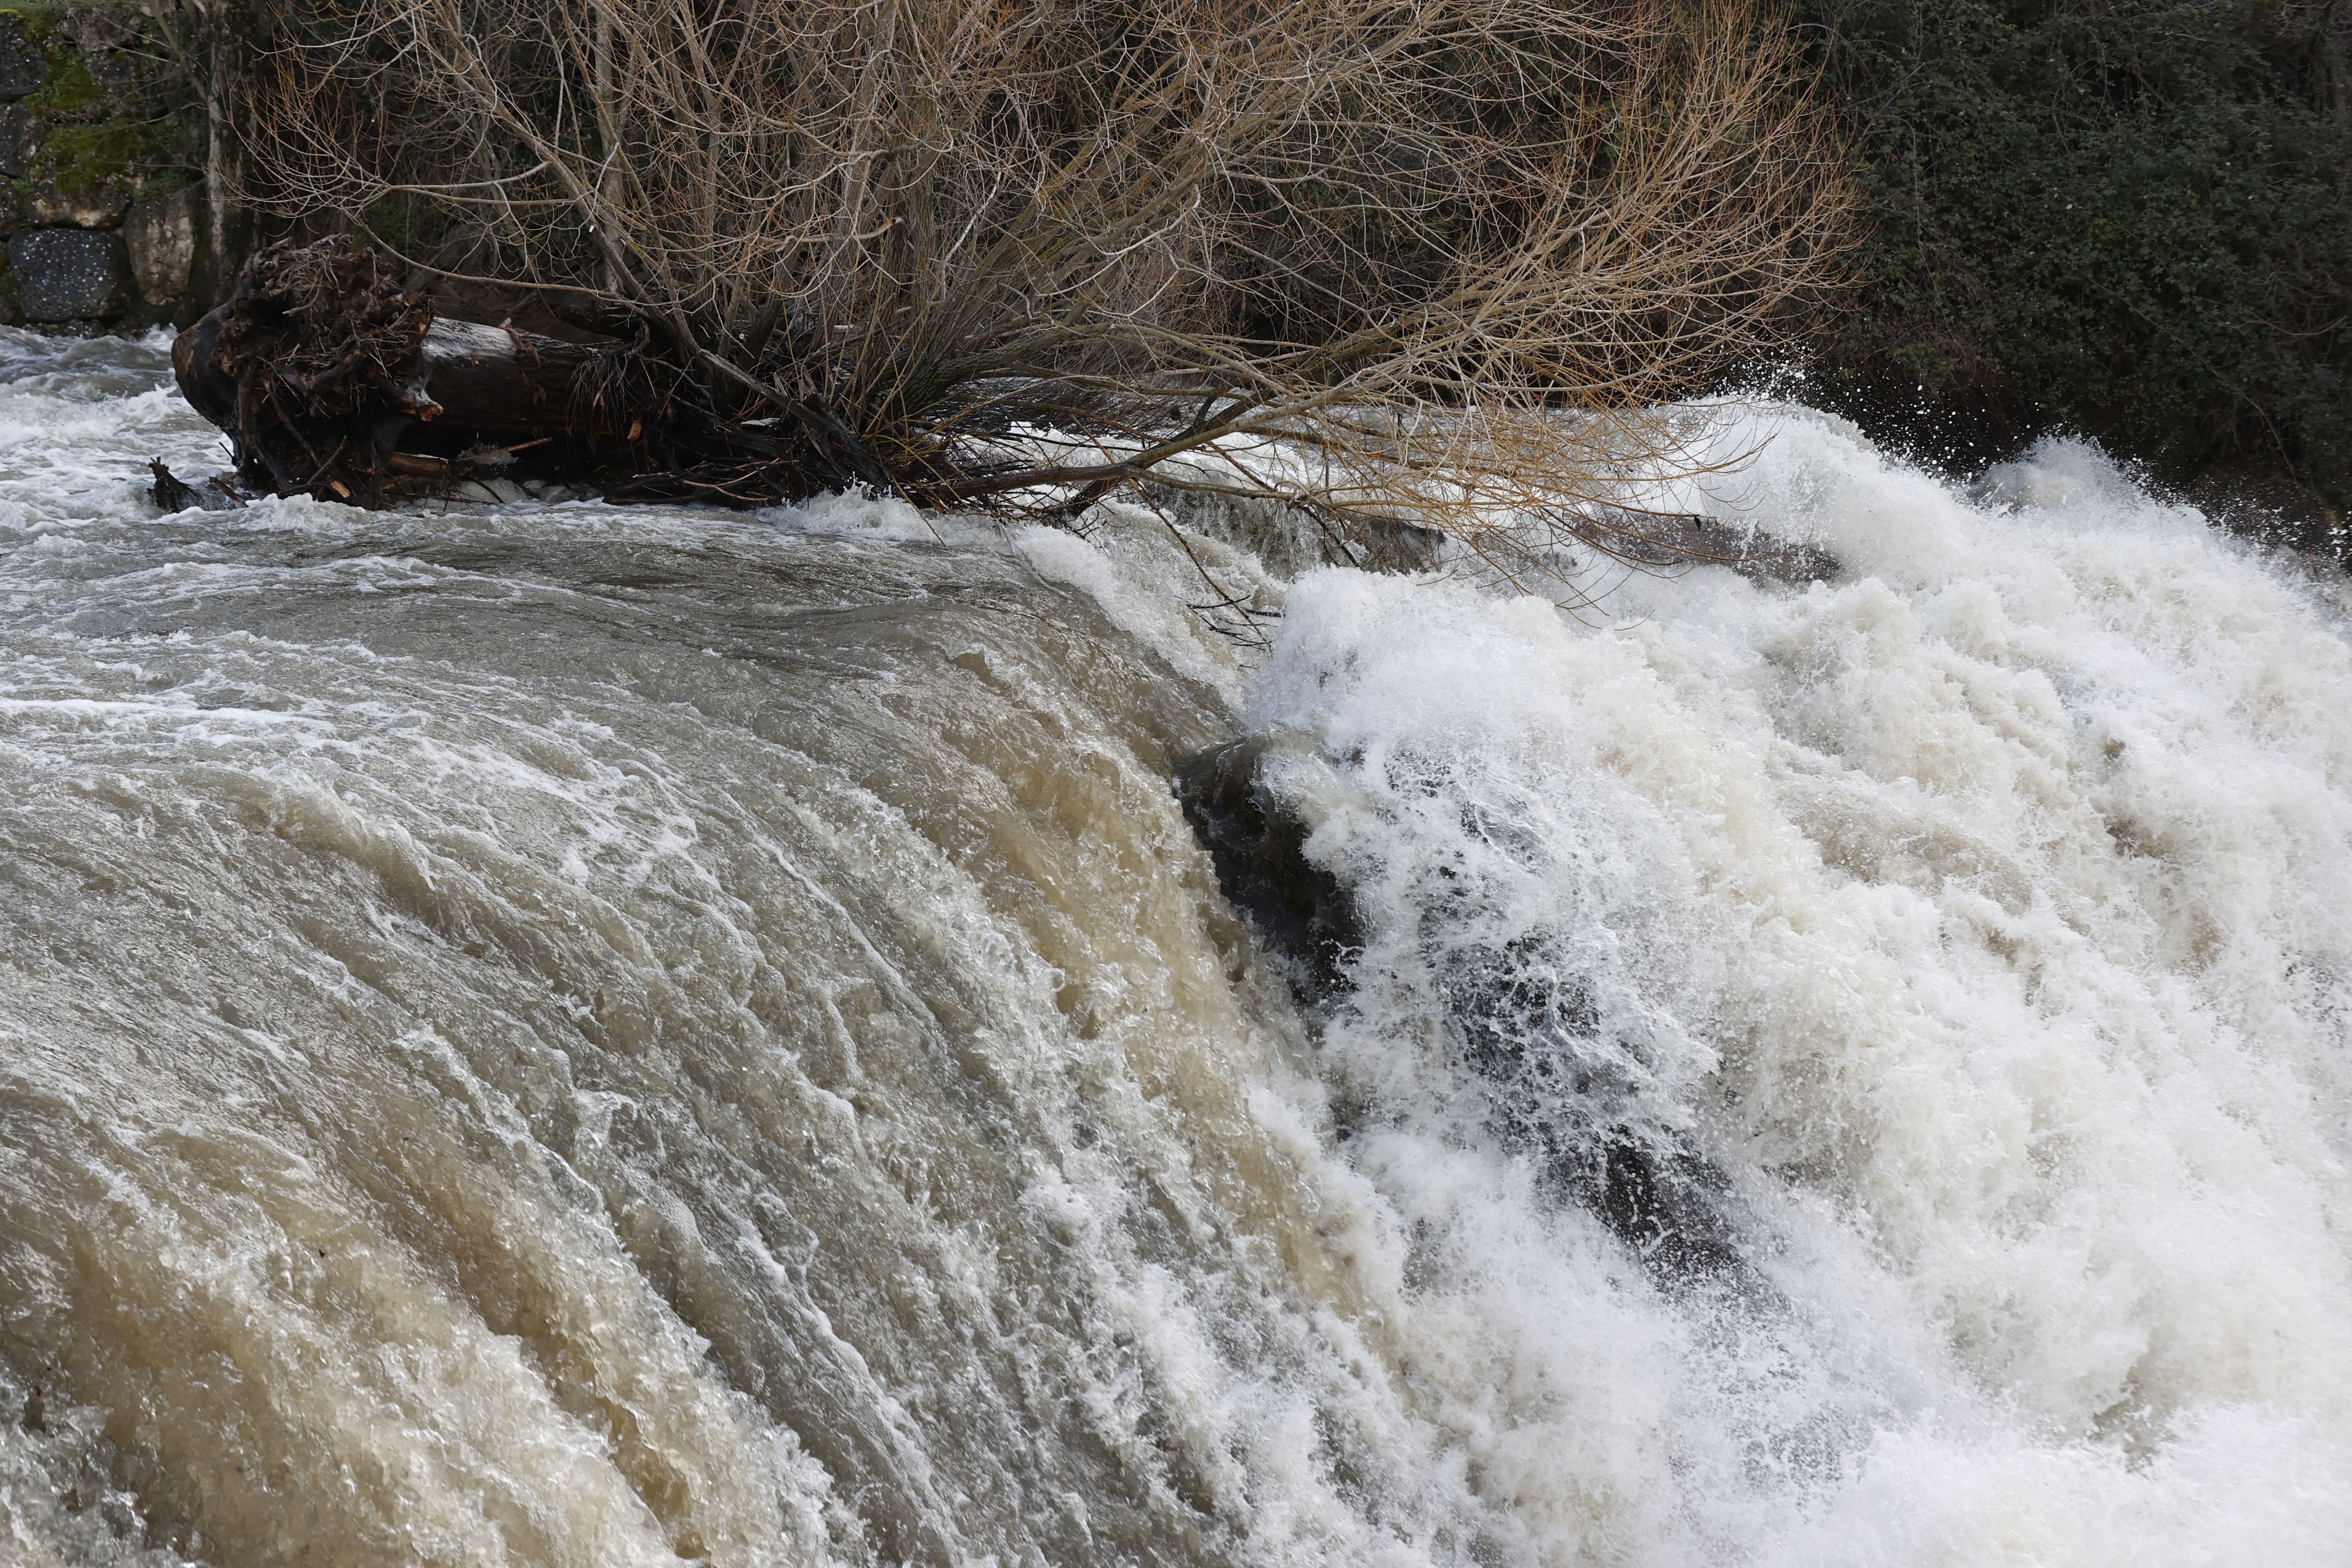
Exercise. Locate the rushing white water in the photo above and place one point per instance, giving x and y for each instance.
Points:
(547, 1034)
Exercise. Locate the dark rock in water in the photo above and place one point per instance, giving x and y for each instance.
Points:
(1560, 1097)
(1300, 910)
(23, 66)
(1555, 1095)
(70, 274)
(1563, 1096)
(173, 493)
(168, 491)
(1667, 1204)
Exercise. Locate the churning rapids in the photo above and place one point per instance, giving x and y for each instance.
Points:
(554, 1035)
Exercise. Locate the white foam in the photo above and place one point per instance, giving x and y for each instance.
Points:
(1985, 911)
(1981, 916)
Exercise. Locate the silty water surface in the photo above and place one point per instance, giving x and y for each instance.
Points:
(547, 1034)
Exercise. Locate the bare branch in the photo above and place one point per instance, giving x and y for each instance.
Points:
(1422, 261)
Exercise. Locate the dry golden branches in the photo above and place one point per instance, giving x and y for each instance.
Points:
(1423, 260)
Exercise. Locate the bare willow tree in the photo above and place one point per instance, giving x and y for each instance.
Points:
(1429, 261)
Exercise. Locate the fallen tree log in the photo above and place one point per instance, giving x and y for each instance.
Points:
(331, 381)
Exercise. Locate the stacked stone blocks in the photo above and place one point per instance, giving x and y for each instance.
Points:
(100, 224)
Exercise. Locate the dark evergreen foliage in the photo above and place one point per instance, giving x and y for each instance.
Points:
(2130, 218)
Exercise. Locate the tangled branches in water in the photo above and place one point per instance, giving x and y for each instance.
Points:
(1419, 261)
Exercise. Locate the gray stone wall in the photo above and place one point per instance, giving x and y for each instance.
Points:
(100, 212)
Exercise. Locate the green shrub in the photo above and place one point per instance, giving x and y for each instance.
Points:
(2127, 217)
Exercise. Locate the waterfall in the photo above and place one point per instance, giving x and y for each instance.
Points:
(542, 1032)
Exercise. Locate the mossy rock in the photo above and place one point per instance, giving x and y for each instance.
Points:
(162, 183)
(38, 21)
(81, 160)
(86, 63)
(70, 91)
(43, 19)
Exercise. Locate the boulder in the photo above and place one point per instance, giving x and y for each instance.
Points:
(70, 274)
(161, 234)
(20, 138)
(23, 66)
(1307, 919)
(100, 208)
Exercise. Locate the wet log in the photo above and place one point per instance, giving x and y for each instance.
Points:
(170, 493)
(333, 382)
(510, 383)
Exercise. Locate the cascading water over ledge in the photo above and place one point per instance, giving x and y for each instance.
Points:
(1559, 1091)
(553, 1034)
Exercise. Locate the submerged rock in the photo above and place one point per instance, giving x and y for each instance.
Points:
(218, 493)
(1291, 539)
(1562, 1101)
(1300, 911)
(1553, 1098)
(169, 491)
(1669, 541)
